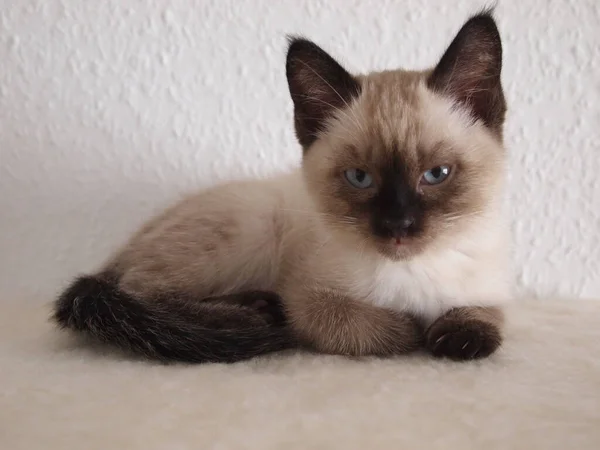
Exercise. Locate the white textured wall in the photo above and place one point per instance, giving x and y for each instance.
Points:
(109, 109)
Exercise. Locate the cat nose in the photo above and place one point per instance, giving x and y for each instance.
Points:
(399, 227)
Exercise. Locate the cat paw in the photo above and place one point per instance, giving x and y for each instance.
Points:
(460, 339)
(267, 304)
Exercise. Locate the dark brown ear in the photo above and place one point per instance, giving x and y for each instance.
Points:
(318, 85)
(470, 70)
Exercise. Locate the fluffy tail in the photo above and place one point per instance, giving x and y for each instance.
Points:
(167, 330)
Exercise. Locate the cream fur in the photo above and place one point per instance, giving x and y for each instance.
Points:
(279, 243)
(541, 390)
(289, 234)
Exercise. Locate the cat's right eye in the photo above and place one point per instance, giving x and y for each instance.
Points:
(358, 178)
(435, 175)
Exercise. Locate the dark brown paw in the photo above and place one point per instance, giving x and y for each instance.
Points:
(267, 304)
(462, 338)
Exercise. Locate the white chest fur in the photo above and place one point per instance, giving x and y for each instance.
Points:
(431, 284)
(471, 270)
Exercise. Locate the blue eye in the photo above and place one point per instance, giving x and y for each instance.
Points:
(435, 175)
(358, 178)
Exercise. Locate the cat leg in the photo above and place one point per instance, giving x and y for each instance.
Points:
(330, 322)
(463, 333)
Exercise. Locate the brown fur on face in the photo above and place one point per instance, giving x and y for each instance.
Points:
(400, 124)
(396, 130)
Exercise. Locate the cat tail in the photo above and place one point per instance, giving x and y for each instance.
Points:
(168, 330)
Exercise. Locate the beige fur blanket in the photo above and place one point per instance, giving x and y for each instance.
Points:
(541, 391)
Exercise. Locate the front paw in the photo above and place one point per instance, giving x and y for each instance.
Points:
(460, 335)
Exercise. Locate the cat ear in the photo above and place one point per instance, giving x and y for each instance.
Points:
(319, 86)
(470, 70)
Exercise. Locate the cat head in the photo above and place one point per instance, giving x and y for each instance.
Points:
(402, 160)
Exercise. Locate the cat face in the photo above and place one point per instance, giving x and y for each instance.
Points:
(402, 161)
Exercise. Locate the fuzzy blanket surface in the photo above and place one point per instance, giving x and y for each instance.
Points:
(541, 391)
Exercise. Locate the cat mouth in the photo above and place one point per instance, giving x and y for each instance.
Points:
(401, 241)
(400, 247)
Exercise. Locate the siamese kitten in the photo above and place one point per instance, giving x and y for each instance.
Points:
(389, 237)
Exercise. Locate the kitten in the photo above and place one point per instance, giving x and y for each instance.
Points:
(390, 236)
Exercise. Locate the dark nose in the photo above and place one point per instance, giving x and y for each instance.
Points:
(399, 227)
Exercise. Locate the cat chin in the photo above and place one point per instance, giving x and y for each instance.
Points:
(404, 251)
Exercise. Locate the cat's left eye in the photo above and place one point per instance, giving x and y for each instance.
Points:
(435, 175)
(358, 178)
